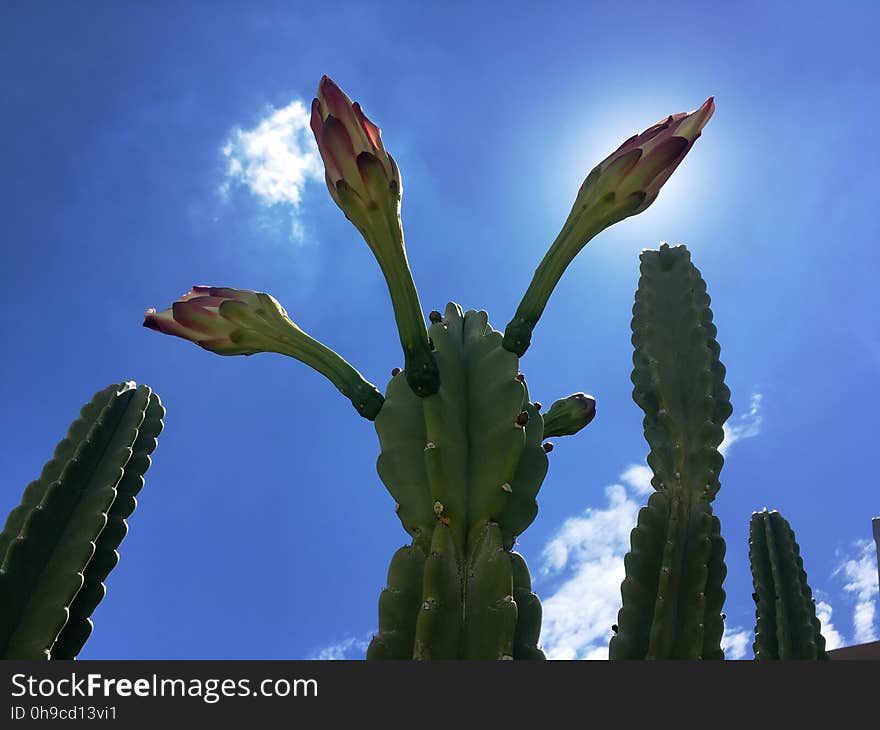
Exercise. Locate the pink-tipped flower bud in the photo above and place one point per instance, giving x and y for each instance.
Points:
(623, 184)
(240, 322)
(199, 316)
(627, 181)
(364, 181)
(360, 174)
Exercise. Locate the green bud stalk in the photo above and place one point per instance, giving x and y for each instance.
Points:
(240, 322)
(622, 185)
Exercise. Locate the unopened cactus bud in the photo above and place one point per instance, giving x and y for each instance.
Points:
(239, 322)
(435, 317)
(548, 447)
(364, 181)
(624, 184)
(199, 316)
(569, 415)
(359, 172)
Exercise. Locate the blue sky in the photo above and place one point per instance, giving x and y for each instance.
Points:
(148, 147)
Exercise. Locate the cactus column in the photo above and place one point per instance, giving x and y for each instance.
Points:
(464, 466)
(786, 624)
(672, 593)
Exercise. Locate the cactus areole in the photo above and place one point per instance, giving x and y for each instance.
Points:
(462, 444)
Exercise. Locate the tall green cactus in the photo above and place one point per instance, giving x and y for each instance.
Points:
(461, 441)
(786, 625)
(672, 593)
(58, 545)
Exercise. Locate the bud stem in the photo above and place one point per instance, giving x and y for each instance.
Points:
(365, 397)
(421, 369)
(579, 228)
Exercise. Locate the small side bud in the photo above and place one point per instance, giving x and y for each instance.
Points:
(569, 415)
(435, 317)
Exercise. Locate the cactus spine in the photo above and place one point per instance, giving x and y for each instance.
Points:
(672, 593)
(786, 625)
(58, 545)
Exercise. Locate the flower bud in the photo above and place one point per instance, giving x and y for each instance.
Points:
(624, 184)
(569, 415)
(240, 322)
(364, 181)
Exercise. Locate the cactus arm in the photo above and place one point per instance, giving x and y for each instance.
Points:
(528, 621)
(43, 568)
(399, 605)
(400, 427)
(446, 427)
(36, 490)
(522, 507)
(490, 611)
(496, 428)
(786, 623)
(79, 626)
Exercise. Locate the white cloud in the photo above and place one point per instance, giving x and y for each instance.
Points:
(589, 549)
(354, 647)
(833, 639)
(735, 641)
(275, 159)
(746, 426)
(861, 574)
(638, 476)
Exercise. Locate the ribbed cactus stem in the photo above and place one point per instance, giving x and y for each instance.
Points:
(786, 623)
(464, 467)
(49, 540)
(672, 593)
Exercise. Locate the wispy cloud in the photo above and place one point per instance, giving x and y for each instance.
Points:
(833, 639)
(747, 425)
(861, 587)
(586, 556)
(353, 647)
(275, 159)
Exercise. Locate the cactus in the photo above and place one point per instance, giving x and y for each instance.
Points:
(672, 593)
(786, 626)
(464, 467)
(58, 546)
(462, 444)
